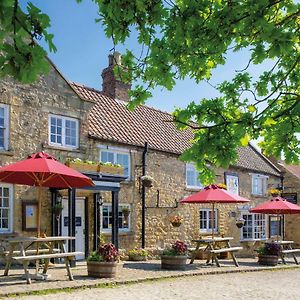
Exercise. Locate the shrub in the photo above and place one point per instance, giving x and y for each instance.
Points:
(178, 248)
(270, 249)
(106, 252)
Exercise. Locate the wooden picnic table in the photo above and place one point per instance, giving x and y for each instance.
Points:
(214, 246)
(26, 249)
(286, 248)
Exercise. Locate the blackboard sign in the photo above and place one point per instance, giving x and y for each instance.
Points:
(291, 197)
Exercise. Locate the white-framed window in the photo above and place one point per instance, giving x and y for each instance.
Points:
(63, 131)
(6, 208)
(259, 184)
(254, 227)
(232, 183)
(116, 156)
(4, 126)
(123, 218)
(192, 180)
(206, 220)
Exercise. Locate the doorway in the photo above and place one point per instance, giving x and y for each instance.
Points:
(79, 224)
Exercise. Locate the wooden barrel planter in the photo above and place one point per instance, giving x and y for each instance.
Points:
(102, 269)
(268, 260)
(137, 257)
(169, 262)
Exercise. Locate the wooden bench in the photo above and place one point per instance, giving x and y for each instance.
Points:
(27, 258)
(231, 250)
(31, 251)
(289, 251)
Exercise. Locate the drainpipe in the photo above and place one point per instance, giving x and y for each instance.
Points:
(144, 195)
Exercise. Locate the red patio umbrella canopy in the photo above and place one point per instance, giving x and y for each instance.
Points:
(214, 194)
(43, 170)
(276, 205)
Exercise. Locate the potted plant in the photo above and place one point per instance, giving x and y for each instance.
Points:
(82, 165)
(176, 221)
(110, 168)
(137, 254)
(147, 181)
(174, 258)
(103, 262)
(268, 254)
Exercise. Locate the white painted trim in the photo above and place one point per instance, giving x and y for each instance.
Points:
(108, 230)
(115, 151)
(63, 137)
(113, 148)
(6, 126)
(209, 230)
(194, 187)
(11, 208)
(106, 183)
(259, 175)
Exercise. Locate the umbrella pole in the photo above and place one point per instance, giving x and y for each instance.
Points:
(213, 220)
(39, 212)
(278, 220)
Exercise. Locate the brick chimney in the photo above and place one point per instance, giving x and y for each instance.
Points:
(111, 86)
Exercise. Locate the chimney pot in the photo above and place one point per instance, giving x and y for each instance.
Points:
(111, 86)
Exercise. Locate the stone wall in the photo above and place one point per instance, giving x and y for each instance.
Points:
(169, 174)
(29, 107)
(292, 185)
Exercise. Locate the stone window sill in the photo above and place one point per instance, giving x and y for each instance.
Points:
(7, 152)
(77, 150)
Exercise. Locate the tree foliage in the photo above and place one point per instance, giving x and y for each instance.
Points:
(190, 38)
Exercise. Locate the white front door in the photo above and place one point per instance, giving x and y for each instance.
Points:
(79, 224)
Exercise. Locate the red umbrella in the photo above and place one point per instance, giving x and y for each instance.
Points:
(43, 170)
(214, 194)
(277, 206)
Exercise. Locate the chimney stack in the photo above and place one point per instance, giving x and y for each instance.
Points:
(112, 86)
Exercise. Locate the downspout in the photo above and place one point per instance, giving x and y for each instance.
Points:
(144, 164)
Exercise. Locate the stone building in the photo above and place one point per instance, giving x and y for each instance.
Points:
(69, 120)
(291, 191)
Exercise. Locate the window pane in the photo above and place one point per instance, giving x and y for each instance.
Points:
(70, 133)
(123, 160)
(4, 208)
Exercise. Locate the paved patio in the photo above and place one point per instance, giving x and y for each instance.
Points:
(129, 272)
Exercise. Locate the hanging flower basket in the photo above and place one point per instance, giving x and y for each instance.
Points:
(147, 181)
(240, 223)
(125, 212)
(57, 209)
(176, 221)
(274, 192)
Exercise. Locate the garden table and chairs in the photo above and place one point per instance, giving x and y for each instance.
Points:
(27, 249)
(214, 246)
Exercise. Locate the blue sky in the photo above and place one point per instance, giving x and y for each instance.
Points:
(83, 53)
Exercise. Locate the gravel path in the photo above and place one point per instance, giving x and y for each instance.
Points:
(280, 284)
